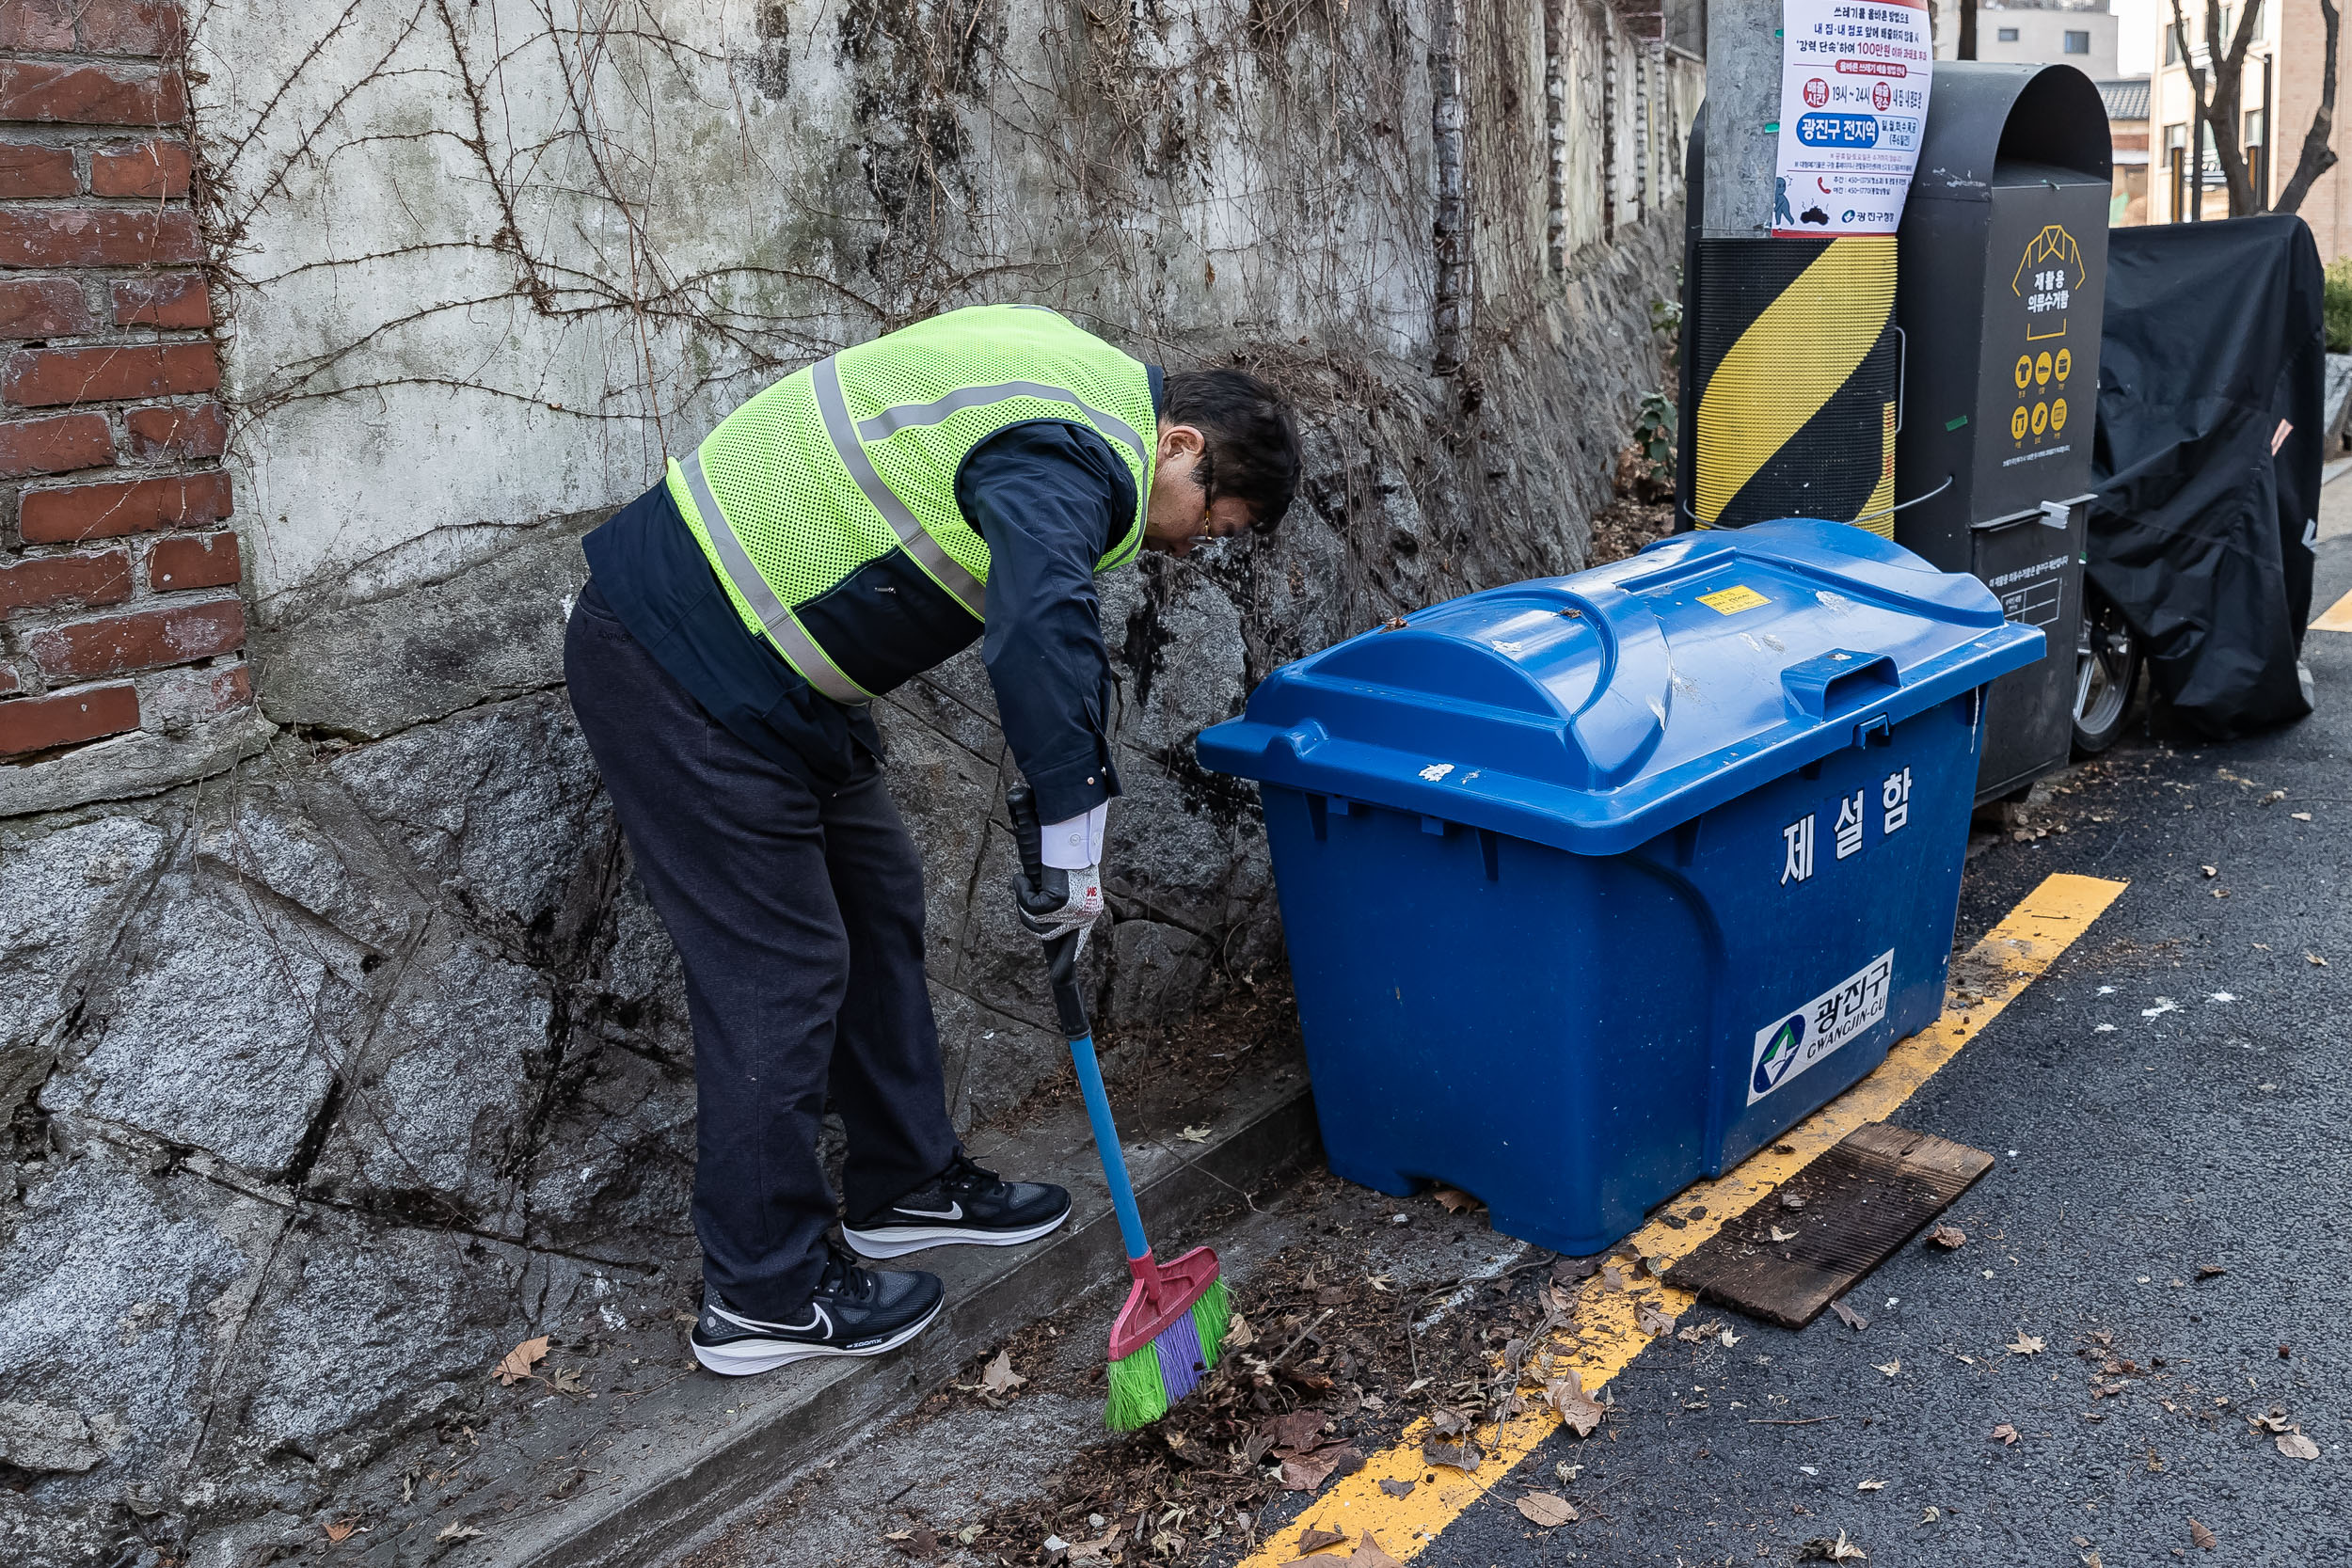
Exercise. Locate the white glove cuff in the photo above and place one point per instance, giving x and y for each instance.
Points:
(1077, 843)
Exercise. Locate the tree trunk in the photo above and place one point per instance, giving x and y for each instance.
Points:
(2317, 157)
(1967, 49)
(2223, 113)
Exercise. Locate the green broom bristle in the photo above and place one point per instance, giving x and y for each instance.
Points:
(1137, 1397)
(1138, 1392)
(1211, 1315)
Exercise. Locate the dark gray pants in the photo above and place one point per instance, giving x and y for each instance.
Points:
(799, 913)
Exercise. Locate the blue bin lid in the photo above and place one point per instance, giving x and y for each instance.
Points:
(1594, 712)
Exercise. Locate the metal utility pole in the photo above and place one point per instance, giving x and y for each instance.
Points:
(1743, 106)
(1795, 352)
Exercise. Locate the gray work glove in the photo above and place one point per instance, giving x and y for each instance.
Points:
(1057, 902)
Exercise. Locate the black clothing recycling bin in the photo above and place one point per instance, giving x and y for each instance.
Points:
(2002, 261)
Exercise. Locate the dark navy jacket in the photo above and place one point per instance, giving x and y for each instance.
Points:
(1049, 498)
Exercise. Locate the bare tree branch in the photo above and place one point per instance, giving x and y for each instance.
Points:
(2317, 157)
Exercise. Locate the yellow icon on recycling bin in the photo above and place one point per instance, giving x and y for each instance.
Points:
(2050, 259)
(2058, 416)
(2041, 369)
(2017, 423)
(2025, 372)
(2041, 418)
(2065, 366)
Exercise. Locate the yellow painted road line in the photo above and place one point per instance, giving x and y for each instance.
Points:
(2338, 616)
(1602, 1337)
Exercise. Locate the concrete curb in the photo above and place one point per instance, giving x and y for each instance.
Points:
(686, 1482)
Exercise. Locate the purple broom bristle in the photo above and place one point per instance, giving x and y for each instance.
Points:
(1178, 1351)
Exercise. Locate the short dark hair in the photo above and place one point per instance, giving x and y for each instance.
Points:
(1253, 453)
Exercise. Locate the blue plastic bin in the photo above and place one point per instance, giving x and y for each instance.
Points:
(1595, 884)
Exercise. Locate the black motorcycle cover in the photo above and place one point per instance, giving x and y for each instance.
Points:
(2211, 380)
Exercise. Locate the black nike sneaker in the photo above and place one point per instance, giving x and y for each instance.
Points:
(961, 1204)
(855, 1312)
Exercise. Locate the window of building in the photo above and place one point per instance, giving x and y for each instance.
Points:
(2006, 35)
(2172, 47)
(2077, 43)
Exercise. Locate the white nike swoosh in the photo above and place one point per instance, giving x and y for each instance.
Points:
(819, 1320)
(953, 1211)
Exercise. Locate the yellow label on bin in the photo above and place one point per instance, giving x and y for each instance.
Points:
(1732, 600)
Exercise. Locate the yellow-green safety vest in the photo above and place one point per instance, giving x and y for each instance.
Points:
(814, 497)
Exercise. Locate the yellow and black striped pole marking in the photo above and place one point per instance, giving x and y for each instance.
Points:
(1796, 381)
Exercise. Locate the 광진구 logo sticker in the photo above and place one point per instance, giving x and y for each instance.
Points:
(1794, 1042)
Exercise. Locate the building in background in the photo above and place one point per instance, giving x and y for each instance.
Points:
(2061, 32)
(2127, 99)
(2281, 88)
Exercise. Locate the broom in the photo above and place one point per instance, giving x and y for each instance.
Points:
(1172, 1327)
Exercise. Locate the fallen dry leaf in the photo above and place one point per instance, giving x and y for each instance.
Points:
(1870, 1486)
(1194, 1134)
(922, 1543)
(519, 1361)
(2316, 958)
(1460, 1456)
(1300, 1432)
(1848, 1316)
(1238, 1334)
(2300, 816)
(2210, 870)
(2201, 1536)
(1576, 1408)
(1929, 1514)
(2275, 1420)
(1891, 1368)
(1310, 1471)
(2295, 1445)
(2005, 1433)
(1396, 1488)
(1369, 1555)
(1611, 1278)
(1548, 1509)
(340, 1530)
(1949, 1237)
(1315, 1539)
(1650, 1320)
(2210, 1271)
(1780, 1235)
(1449, 1421)
(1823, 1550)
(455, 1531)
(2024, 1344)
(569, 1380)
(1454, 1200)
(999, 1378)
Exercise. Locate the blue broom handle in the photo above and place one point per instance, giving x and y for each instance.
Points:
(1061, 959)
(1107, 1144)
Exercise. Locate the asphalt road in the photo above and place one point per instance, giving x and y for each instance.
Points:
(2176, 1092)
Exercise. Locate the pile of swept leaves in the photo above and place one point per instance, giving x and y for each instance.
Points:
(1320, 1370)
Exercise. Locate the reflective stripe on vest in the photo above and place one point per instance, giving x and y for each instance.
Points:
(907, 414)
(783, 628)
(825, 379)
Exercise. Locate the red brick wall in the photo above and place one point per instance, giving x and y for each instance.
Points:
(119, 603)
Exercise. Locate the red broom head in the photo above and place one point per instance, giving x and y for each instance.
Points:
(1162, 1293)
